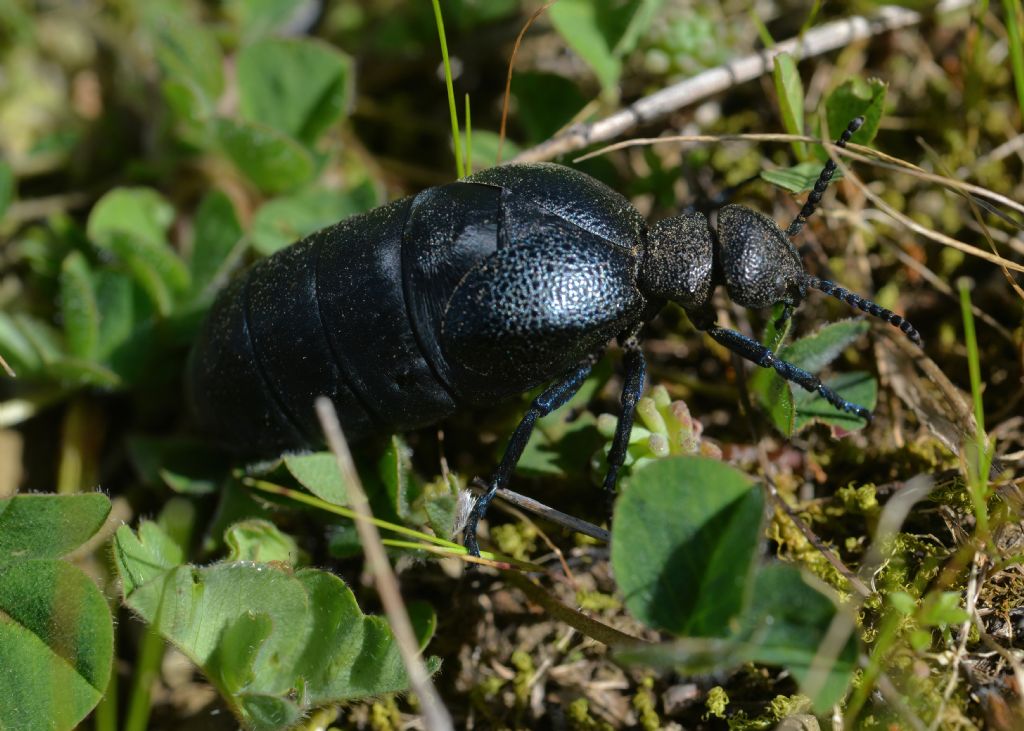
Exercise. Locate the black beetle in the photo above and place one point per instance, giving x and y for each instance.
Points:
(478, 290)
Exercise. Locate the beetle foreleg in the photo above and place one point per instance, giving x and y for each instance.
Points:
(631, 390)
(552, 398)
(756, 352)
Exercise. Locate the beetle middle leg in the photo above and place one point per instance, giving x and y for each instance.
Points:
(552, 398)
(756, 352)
(632, 387)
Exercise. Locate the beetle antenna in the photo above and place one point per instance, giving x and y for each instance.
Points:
(823, 180)
(855, 300)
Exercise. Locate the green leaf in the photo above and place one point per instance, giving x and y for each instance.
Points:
(260, 541)
(78, 372)
(285, 220)
(318, 473)
(785, 625)
(48, 526)
(942, 609)
(294, 630)
(187, 466)
(217, 244)
(591, 29)
(790, 91)
(7, 186)
(269, 158)
(132, 223)
(485, 149)
(395, 470)
(798, 178)
(56, 644)
(56, 633)
(78, 307)
(856, 97)
(258, 18)
(546, 103)
(792, 408)
(17, 349)
(684, 538)
(858, 387)
(191, 63)
(298, 86)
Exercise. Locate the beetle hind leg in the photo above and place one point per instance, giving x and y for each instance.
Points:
(632, 387)
(552, 398)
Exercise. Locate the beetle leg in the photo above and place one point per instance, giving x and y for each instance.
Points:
(552, 398)
(756, 352)
(631, 390)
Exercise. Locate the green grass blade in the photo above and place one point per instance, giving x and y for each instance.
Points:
(1015, 38)
(459, 169)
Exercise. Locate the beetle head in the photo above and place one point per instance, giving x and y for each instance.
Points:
(758, 263)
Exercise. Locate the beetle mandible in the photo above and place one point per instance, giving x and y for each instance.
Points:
(481, 289)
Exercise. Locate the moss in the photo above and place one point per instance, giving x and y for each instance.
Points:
(645, 704)
(596, 601)
(578, 715)
(716, 702)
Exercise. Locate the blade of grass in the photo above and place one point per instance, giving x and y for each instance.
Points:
(1015, 38)
(469, 140)
(459, 169)
(979, 460)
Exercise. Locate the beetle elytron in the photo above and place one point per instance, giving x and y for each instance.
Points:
(477, 290)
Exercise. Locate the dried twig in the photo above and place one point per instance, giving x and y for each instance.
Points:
(555, 516)
(435, 715)
(815, 42)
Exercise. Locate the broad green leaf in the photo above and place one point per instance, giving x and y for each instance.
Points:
(48, 526)
(78, 307)
(217, 244)
(295, 630)
(858, 387)
(856, 97)
(56, 633)
(485, 149)
(56, 644)
(790, 91)
(285, 220)
(318, 473)
(792, 408)
(132, 223)
(785, 624)
(589, 27)
(269, 158)
(78, 372)
(260, 541)
(546, 103)
(684, 539)
(17, 349)
(815, 351)
(189, 52)
(258, 18)
(297, 86)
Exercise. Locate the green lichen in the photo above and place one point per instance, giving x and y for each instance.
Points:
(385, 716)
(525, 671)
(645, 704)
(716, 703)
(518, 540)
(597, 601)
(578, 715)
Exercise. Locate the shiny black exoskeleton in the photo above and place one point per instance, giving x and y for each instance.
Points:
(478, 290)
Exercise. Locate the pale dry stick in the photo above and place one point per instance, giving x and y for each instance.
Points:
(815, 42)
(852, 150)
(7, 368)
(972, 597)
(435, 715)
